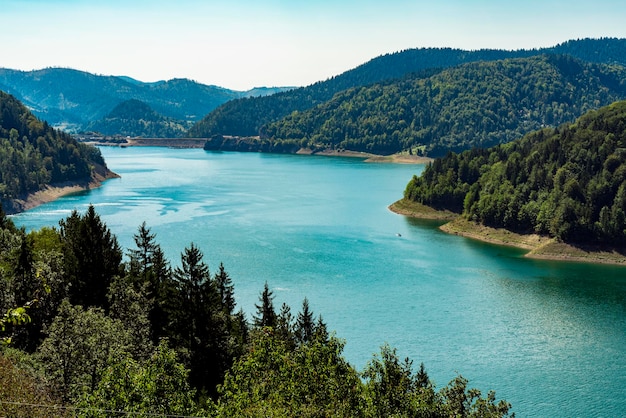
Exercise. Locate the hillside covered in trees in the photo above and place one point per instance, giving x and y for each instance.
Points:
(93, 336)
(473, 105)
(34, 155)
(137, 119)
(567, 182)
(247, 117)
(71, 99)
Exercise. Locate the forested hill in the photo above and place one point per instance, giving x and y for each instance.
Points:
(71, 99)
(135, 118)
(245, 117)
(477, 104)
(567, 182)
(33, 155)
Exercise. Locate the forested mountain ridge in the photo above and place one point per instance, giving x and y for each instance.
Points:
(246, 117)
(71, 98)
(34, 155)
(478, 104)
(567, 182)
(137, 119)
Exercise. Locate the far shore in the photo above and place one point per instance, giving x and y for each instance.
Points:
(539, 247)
(400, 158)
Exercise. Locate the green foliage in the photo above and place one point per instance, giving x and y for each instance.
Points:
(33, 155)
(92, 257)
(78, 347)
(266, 314)
(248, 117)
(157, 386)
(137, 119)
(170, 343)
(393, 390)
(568, 182)
(473, 105)
(202, 325)
(271, 379)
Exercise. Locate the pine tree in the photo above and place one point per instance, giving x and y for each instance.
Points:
(225, 289)
(141, 258)
(266, 315)
(92, 257)
(305, 324)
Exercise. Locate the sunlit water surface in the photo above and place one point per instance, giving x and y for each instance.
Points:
(549, 337)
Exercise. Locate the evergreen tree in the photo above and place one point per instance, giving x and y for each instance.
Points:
(92, 257)
(225, 289)
(266, 315)
(200, 325)
(141, 258)
(305, 324)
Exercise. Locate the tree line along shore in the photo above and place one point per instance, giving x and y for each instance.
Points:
(538, 246)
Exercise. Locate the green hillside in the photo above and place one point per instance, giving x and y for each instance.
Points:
(135, 118)
(71, 99)
(246, 117)
(567, 182)
(477, 104)
(33, 155)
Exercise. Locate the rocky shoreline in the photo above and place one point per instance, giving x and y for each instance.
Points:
(54, 191)
(539, 247)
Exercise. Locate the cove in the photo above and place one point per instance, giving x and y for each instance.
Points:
(547, 336)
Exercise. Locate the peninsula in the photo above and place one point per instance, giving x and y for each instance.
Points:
(565, 184)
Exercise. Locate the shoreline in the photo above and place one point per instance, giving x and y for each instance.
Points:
(53, 192)
(199, 143)
(538, 247)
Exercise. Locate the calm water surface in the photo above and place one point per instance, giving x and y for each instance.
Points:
(549, 337)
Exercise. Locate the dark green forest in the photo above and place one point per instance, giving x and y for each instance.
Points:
(33, 155)
(247, 117)
(137, 119)
(89, 332)
(473, 105)
(567, 182)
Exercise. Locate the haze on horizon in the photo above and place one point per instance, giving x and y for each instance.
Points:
(246, 43)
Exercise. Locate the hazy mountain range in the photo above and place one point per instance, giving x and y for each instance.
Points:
(72, 99)
(384, 105)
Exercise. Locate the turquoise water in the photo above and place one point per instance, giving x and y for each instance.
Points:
(549, 337)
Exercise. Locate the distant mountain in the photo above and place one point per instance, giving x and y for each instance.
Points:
(33, 155)
(246, 117)
(72, 99)
(567, 182)
(136, 118)
(478, 104)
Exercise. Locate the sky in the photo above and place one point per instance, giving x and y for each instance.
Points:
(241, 44)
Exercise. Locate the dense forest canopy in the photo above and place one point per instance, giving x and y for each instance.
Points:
(568, 182)
(246, 117)
(137, 119)
(473, 105)
(33, 155)
(142, 337)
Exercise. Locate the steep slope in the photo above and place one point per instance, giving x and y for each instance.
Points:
(33, 155)
(245, 117)
(477, 104)
(136, 119)
(568, 182)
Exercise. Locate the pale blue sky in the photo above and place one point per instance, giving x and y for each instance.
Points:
(244, 44)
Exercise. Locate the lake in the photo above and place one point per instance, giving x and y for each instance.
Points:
(549, 337)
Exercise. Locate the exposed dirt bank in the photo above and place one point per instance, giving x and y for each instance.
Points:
(55, 191)
(538, 246)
